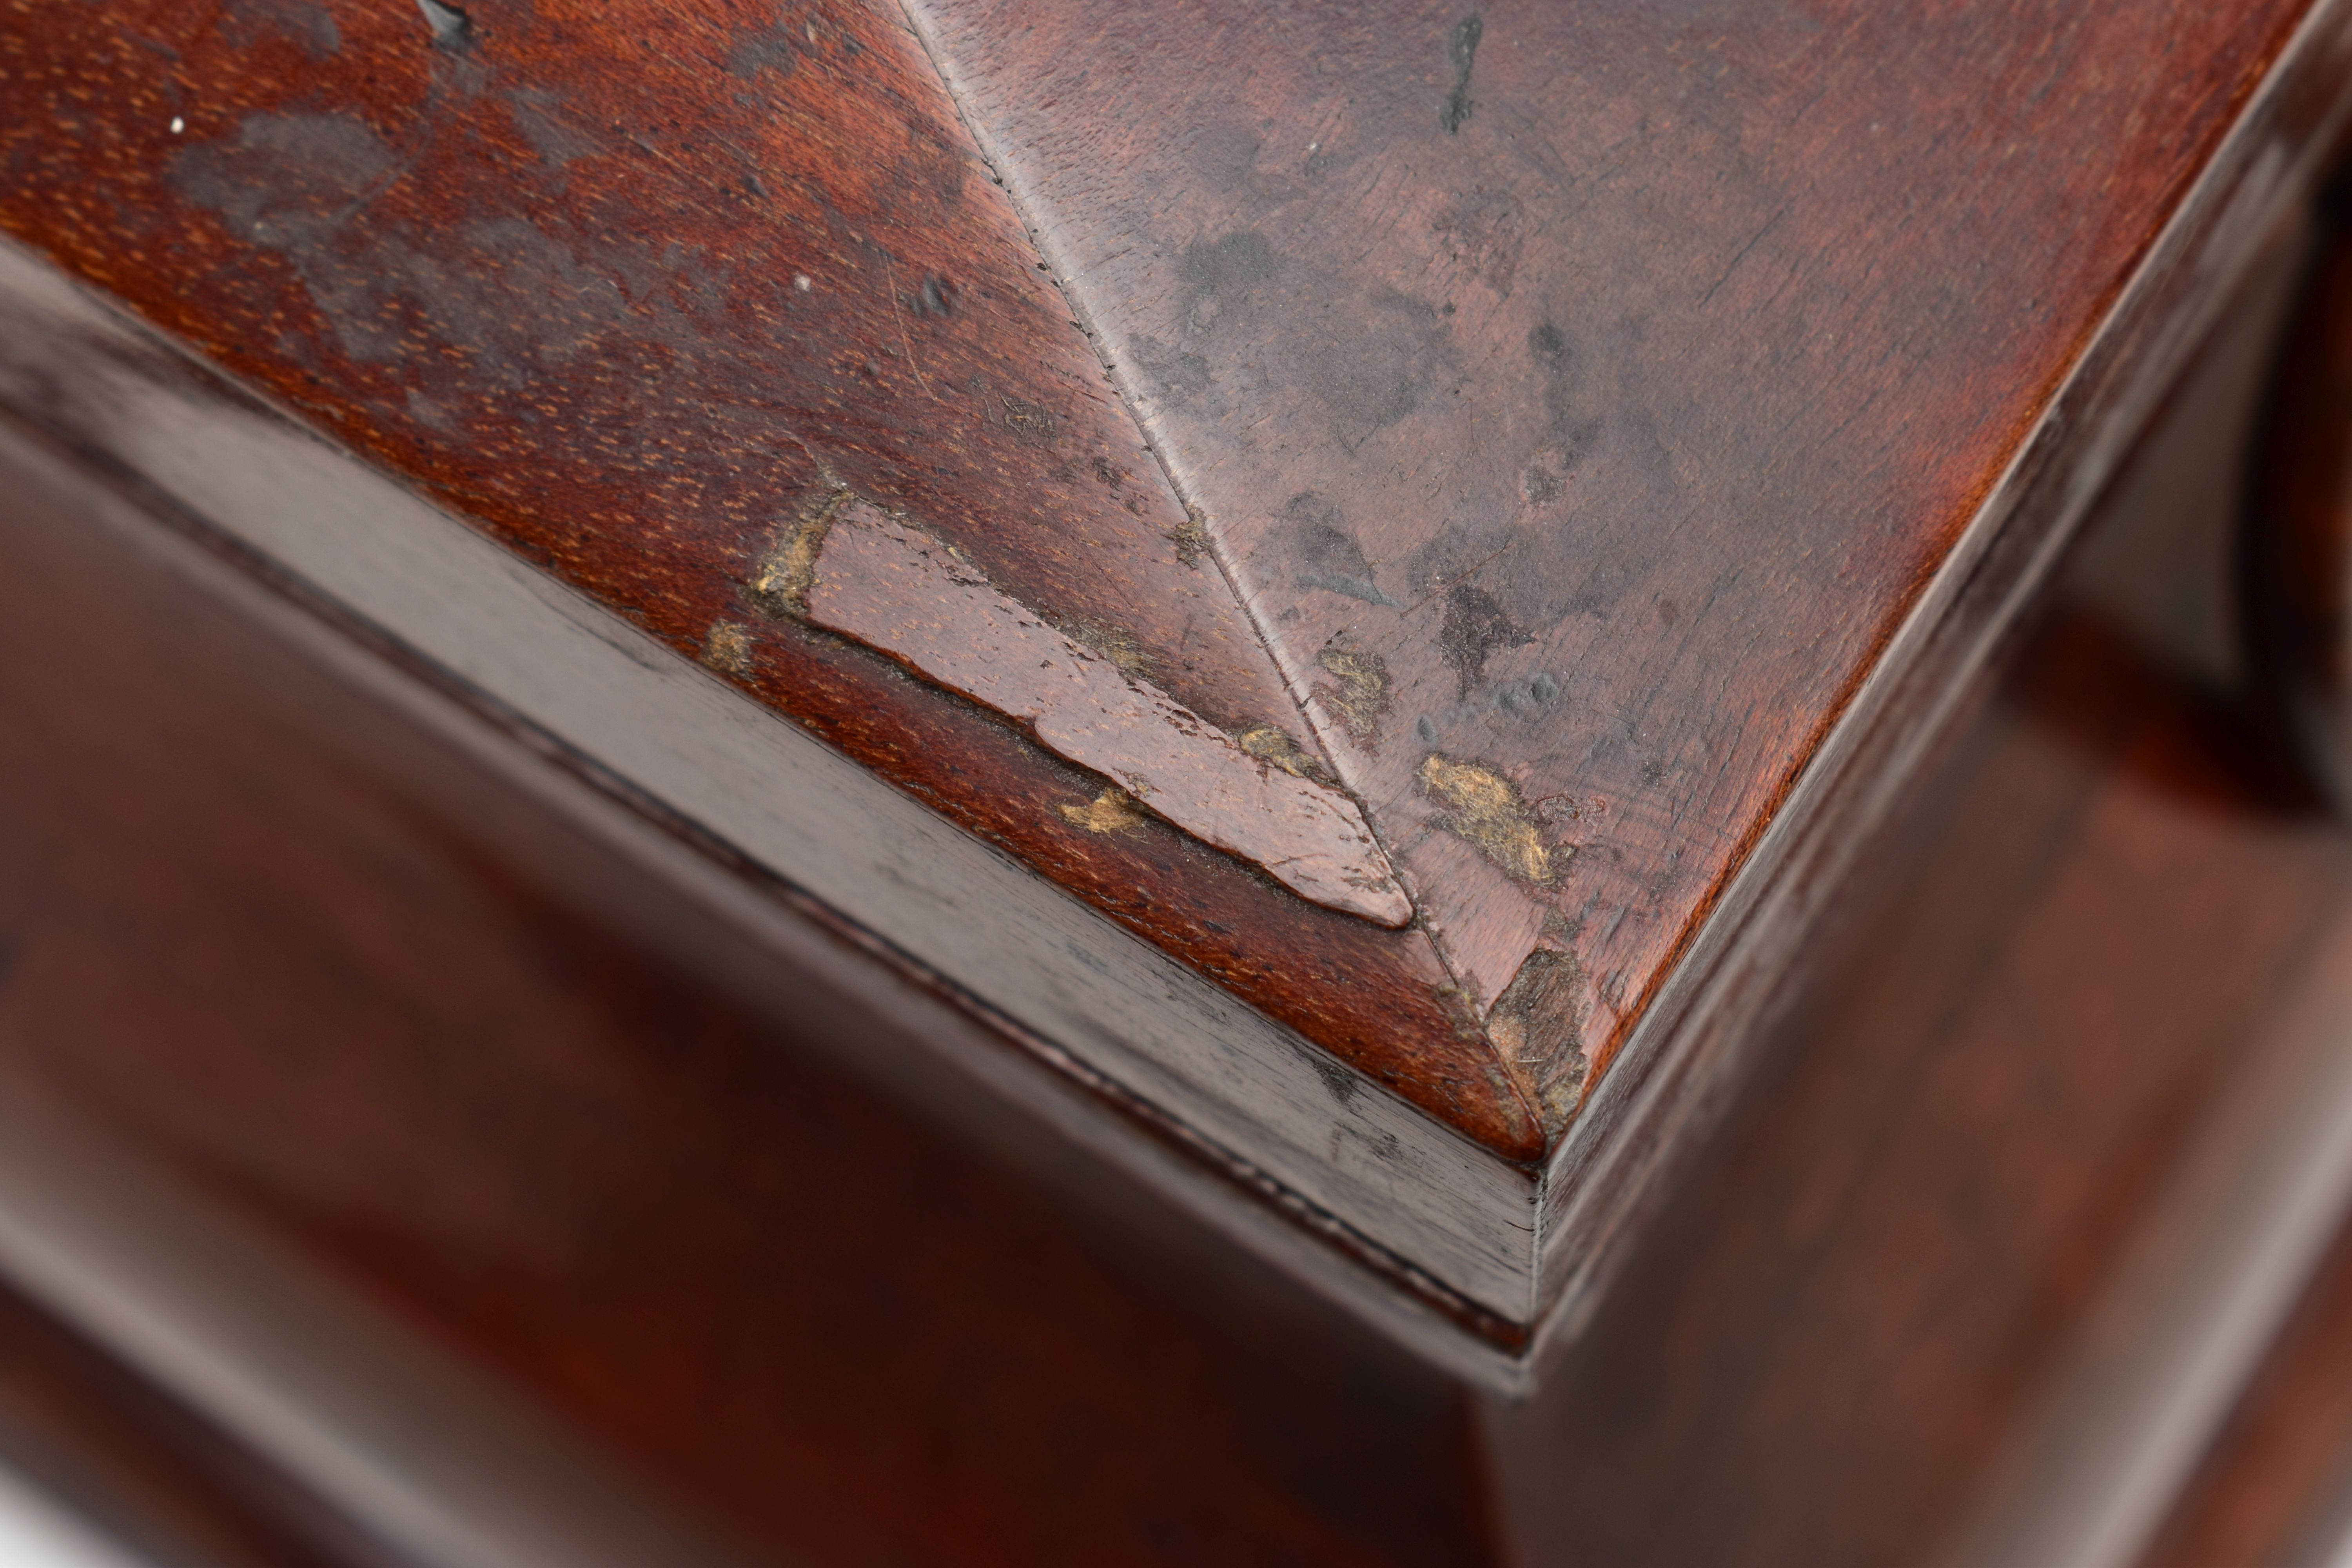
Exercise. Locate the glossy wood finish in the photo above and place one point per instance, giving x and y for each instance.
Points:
(1567, 559)
(2094, 918)
(722, 1212)
(2300, 543)
(155, 1476)
(551, 268)
(796, 1248)
(773, 812)
(2275, 1487)
(715, 1207)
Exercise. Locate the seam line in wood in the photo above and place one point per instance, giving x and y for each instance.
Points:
(1199, 539)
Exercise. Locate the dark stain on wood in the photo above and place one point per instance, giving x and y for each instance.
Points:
(1462, 50)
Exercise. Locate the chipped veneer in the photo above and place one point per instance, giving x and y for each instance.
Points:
(895, 587)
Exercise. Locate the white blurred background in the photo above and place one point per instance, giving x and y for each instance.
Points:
(37, 1533)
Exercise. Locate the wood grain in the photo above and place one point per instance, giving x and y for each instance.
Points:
(2099, 910)
(1578, 404)
(758, 809)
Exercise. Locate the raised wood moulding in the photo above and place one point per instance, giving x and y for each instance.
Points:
(1346, 576)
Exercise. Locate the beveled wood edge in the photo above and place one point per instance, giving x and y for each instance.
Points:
(1683, 1063)
(1174, 1089)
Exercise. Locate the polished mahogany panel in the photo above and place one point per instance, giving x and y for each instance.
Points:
(2097, 912)
(1576, 402)
(638, 292)
(717, 1208)
(728, 1217)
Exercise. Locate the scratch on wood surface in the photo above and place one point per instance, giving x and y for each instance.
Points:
(852, 568)
(890, 283)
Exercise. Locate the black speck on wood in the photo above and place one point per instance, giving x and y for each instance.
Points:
(452, 29)
(1462, 48)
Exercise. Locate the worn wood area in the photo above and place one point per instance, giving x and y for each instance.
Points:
(719, 1213)
(1576, 405)
(1609, 383)
(639, 293)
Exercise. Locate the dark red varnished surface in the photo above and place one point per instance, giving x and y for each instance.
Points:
(712, 1207)
(360, 993)
(2300, 542)
(1578, 402)
(551, 267)
(2273, 1489)
(2107, 901)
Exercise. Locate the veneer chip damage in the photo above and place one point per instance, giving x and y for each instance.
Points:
(851, 568)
